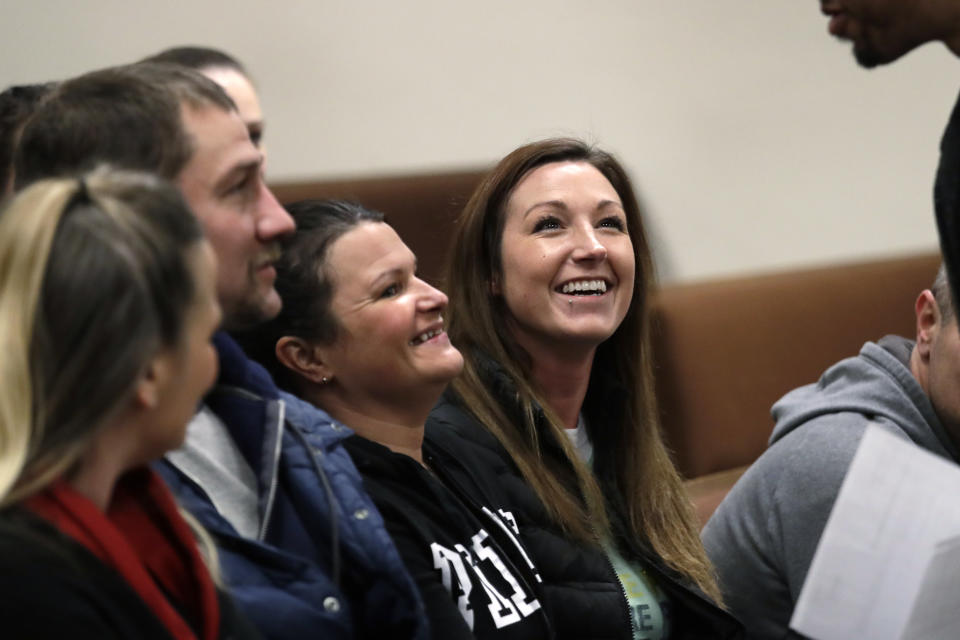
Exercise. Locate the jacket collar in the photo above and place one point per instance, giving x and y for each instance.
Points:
(246, 378)
(320, 429)
(239, 371)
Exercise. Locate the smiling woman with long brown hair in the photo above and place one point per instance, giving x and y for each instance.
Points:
(549, 282)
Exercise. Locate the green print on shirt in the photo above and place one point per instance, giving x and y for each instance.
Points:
(649, 608)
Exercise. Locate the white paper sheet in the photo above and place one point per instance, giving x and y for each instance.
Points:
(869, 577)
(937, 606)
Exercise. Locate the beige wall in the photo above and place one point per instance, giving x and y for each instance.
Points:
(755, 142)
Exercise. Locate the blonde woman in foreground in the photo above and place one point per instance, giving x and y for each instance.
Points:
(107, 306)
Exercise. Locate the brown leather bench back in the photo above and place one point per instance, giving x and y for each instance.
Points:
(727, 350)
(421, 208)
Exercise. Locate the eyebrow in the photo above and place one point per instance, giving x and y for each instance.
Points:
(381, 280)
(560, 204)
(606, 204)
(389, 274)
(242, 168)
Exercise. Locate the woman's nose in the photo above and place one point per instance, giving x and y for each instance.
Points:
(430, 298)
(588, 246)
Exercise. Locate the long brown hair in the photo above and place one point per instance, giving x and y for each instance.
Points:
(632, 462)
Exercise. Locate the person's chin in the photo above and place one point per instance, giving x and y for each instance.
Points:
(867, 57)
(444, 375)
(869, 52)
(254, 310)
(596, 331)
(444, 367)
(455, 364)
(270, 305)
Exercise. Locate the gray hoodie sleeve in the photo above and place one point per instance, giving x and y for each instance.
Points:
(762, 537)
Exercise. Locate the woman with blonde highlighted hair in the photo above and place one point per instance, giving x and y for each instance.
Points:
(107, 307)
(549, 281)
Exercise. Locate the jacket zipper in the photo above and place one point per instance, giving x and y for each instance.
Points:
(272, 490)
(623, 592)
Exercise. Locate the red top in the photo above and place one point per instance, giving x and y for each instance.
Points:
(144, 538)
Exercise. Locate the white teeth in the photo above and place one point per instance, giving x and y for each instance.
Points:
(426, 335)
(593, 287)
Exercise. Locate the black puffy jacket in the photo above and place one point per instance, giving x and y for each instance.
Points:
(52, 587)
(475, 579)
(582, 594)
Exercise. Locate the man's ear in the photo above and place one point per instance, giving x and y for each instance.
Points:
(303, 358)
(928, 322)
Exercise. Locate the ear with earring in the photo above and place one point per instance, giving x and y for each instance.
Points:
(304, 358)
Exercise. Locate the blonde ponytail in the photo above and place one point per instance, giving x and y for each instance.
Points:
(27, 228)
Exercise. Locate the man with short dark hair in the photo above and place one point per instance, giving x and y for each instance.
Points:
(16, 105)
(171, 121)
(229, 73)
(302, 547)
(762, 537)
(103, 117)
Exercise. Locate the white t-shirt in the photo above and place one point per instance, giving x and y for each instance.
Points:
(649, 606)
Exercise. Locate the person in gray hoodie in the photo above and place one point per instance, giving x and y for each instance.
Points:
(762, 537)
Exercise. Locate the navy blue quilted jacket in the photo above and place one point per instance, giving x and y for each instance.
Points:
(312, 570)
